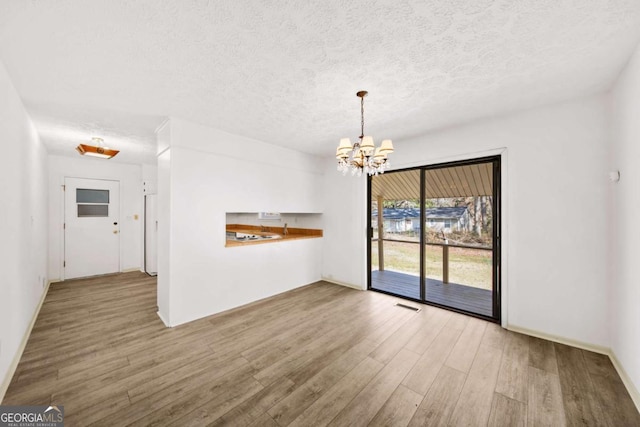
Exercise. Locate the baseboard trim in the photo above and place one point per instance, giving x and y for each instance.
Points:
(626, 380)
(631, 388)
(16, 358)
(163, 321)
(561, 340)
(336, 282)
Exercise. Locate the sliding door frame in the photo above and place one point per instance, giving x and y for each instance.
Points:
(496, 238)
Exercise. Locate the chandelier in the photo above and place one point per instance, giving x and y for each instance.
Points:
(363, 155)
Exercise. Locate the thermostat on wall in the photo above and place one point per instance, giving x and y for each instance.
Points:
(268, 215)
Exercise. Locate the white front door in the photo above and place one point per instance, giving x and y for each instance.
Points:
(91, 229)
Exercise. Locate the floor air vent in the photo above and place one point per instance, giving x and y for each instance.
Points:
(416, 309)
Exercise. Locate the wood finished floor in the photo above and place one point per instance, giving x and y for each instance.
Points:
(318, 355)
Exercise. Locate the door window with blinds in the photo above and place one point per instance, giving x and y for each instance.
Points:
(92, 203)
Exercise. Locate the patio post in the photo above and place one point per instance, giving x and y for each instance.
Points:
(445, 263)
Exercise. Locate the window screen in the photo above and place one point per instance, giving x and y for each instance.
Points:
(84, 195)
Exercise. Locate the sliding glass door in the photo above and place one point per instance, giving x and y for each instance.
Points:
(435, 235)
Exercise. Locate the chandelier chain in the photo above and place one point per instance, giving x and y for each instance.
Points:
(361, 118)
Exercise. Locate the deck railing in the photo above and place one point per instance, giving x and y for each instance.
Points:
(445, 253)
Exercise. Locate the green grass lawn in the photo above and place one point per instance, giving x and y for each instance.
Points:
(469, 267)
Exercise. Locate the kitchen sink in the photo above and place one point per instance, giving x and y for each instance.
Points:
(246, 237)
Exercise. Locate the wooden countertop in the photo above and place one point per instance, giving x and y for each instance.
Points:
(293, 234)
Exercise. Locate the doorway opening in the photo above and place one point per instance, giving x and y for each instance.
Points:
(435, 235)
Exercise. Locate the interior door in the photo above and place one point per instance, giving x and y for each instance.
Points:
(91, 228)
(150, 234)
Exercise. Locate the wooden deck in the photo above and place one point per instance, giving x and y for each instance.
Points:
(453, 295)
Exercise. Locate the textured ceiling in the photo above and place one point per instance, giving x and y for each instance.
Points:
(286, 72)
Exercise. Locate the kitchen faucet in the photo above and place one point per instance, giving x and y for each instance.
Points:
(284, 230)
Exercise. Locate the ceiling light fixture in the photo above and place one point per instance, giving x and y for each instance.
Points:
(363, 155)
(97, 150)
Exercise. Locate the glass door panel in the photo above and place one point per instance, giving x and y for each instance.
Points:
(395, 242)
(458, 237)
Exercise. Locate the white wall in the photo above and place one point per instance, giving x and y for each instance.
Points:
(130, 177)
(149, 179)
(293, 220)
(23, 224)
(345, 225)
(554, 167)
(203, 185)
(625, 283)
(164, 223)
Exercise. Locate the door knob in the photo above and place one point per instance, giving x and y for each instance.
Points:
(115, 231)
